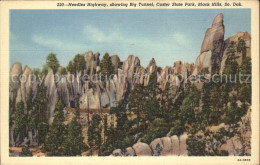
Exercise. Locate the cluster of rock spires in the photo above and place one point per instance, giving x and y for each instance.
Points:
(97, 95)
(213, 56)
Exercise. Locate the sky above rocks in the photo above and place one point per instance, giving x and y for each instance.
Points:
(166, 35)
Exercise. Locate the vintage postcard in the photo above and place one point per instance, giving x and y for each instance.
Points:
(129, 82)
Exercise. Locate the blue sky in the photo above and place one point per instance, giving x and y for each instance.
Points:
(167, 35)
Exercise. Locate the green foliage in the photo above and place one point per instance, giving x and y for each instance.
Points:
(137, 100)
(190, 104)
(234, 113)
(57, 133)
(52, 62)
(153, 133)
(20, 119)
(40, 103)
(43, 129)
(62, 70)
(106, 67)
(94, 132)
(77, 64)
(74, 144)
(29, 101)
(196, 146)
(26, 152)
(242, 48)
(120, 112)
(178, 128)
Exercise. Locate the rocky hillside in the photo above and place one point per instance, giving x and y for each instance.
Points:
(212, 59)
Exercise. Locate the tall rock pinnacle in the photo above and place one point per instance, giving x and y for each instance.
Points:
(211, 48)
(213, 34)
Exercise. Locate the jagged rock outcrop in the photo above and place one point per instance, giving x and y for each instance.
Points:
(236, 38)
(26, 85)
(93, 93)
(240, 143)
(62, 90)
(14, 85)
(211, 48)
(51, 94)
(116, 62)
(92, 61)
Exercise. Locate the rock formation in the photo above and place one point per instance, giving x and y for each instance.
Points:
(211, 48)
(165, 146)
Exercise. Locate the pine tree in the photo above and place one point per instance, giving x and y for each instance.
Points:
(120, 112)
(153, 86)
(20, 120)
(106, 67)
(94, 132)
(137, 100)
(241, 48)
(40, 103)
(74, 144)
(57, 133)
(29, 102)
(52, 62)
(77, 64)
(105, 128)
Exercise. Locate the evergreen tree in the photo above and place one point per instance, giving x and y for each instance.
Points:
(241, 48)
(40, 103)
(29, 102)
(190, 104)
(106, 67)
(105, 128)
(56, 136)
(196, 146)
(77, 64)
(137, 98)
(62, 70)
(120, 112)
(153, 86)
(74, 144)
(94, 132)
(52, 62)
(20, 120)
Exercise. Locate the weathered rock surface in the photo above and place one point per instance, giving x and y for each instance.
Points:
(236, 38)
(14, 83)
(116, 62)
(51, 94)
(213, 34)
(157, 147)
(117, 152)
(167, 146)
(130, 152)
(212, 44)
(26, 83)
(183, 145)
(92, 61)
(142, 149)
(176, 145)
